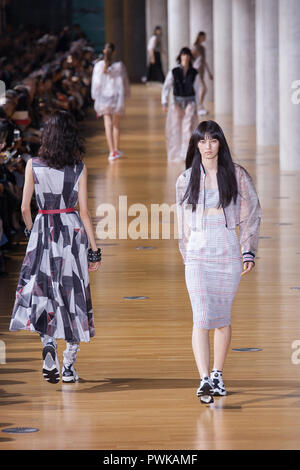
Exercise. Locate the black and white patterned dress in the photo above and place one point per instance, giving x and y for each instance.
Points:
(53, 293)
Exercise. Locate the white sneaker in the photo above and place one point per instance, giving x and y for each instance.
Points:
(120, 153)
(217, 379)
(202, 112)
(206, 387)
(69, 374)
(205, 391)
(113, 155)
(51, 367)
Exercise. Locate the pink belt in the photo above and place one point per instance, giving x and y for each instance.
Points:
(56, 211)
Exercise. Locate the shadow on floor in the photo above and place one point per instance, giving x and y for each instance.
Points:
(4, 370)
(6, 439)
(251, 392)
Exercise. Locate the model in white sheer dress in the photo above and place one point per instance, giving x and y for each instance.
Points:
(109, 89)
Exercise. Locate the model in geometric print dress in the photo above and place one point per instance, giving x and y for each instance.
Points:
(53, 294)
(214, 195)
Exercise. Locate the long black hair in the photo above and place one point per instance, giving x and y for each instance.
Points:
(61, 143)
(185, 51)
(226, 178)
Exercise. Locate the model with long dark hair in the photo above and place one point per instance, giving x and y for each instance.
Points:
(213, 196)
(182, 119)
(53, 293)
(109, 88)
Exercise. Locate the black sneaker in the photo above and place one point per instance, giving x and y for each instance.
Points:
(69, 374)
(205, 390)
(217, 379)
(50, 364)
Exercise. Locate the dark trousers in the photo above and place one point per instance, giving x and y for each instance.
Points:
(155, 72)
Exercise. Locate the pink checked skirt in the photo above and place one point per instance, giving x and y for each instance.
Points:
(213, 274)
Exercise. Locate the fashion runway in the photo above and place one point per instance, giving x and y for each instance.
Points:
(138, 378)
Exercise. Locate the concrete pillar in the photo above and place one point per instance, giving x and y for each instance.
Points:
(243, 58)
(267, 74)
(114, 26)
(201, 20)
(222, 39)
(289, 84)
(157, 15)
(178, 28)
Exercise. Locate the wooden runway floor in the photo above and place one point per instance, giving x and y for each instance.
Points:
(137, 375)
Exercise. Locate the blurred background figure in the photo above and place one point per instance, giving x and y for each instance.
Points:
(182, 118)
(110, 87)
(155, 72)
(199, 55)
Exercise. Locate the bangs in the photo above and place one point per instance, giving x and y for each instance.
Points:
(209, 128)
(212, 134)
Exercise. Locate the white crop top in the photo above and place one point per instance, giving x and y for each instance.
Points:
(211, 198)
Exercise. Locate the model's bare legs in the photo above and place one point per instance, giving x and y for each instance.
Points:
(108, 124)
(116, 131)
(222, 338)
(202, 92)
(200, 343)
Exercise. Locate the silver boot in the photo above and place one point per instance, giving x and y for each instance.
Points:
(69, 373)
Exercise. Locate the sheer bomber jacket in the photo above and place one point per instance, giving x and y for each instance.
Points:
(246, 212)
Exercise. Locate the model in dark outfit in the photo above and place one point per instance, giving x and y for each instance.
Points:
(182, 119)
(155, 72)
